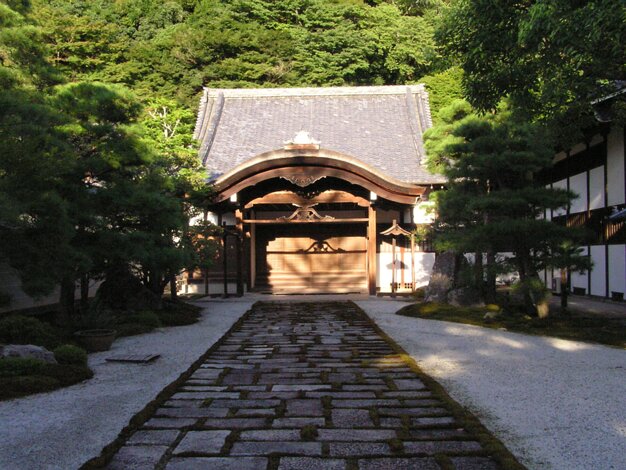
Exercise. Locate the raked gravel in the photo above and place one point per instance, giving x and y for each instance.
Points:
(555, 404)
(65, 428)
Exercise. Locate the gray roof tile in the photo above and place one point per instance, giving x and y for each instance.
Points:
(381, 126)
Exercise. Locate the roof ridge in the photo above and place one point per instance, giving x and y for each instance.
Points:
(314, 91)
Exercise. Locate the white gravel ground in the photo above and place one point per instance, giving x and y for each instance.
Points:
(65, 428)
(555, 404)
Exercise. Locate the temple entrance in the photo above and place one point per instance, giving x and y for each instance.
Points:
(311, 258)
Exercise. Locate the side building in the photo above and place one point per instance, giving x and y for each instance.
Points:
(595, 171)
(315, 188)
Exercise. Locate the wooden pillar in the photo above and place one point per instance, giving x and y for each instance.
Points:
(224, 258)
(412, 262)
(393, 266)
(371, 250)
(239, 253)
(252, 252)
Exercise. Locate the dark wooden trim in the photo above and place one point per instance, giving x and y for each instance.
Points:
(606, 202)
(588, 209)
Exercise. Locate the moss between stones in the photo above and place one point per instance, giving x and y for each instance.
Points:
(469, 422)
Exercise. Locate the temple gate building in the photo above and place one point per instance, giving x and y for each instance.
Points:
(310, 183)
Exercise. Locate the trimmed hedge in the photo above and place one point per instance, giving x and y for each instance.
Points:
(18, 366)
(19, 329)
(69, 354)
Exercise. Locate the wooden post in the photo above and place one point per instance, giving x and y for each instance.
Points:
(252, 252)
(239, 253)
(412, 263)
(393, 266)
(371, 250)
(224, 261)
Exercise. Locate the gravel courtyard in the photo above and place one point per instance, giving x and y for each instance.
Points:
(303, 386)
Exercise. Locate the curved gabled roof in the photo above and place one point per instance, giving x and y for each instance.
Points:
(381, 126)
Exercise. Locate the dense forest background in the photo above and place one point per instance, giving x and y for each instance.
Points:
(172, 48)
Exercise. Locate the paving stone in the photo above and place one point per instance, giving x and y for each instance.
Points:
(346, 395)
(298, 422)
(192, 412)
(356, 449)
(433, 434)
(305, 407)
(166, 437)
(169, 423)
(474, 463)
(276, 447)
(235, 423)
(351, 418)
(136, 458)
(271, 435)
(201, 395)
(398, 464)
(202, 442)
(310, 463)
(244, 403)
(304, 387)
(254, 412)
(366, 403)
(436, 447)
(410, 384)
(184, 403)
(356, 435)
(439, 421)
(217, 463)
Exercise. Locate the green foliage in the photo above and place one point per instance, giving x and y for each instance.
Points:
(179, 314)
(493, 202)
(552, 57)
(48, 377)
(69, 354)
(18, 329)
(146, 318)
(19, 366)
(444, 88)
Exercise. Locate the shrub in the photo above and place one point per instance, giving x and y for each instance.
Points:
(19, 366)
(180, 318)
(146, 318)
(68, 354)
(12, 387)
(18, 329)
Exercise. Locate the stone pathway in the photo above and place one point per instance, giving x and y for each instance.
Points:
(303, 386)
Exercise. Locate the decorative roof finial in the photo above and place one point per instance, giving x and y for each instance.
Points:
(302, 140)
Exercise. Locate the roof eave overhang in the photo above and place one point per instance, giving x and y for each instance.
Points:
(315, 164)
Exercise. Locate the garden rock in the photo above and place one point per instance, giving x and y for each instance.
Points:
(28, 350)
(463, 297)
(444, 276)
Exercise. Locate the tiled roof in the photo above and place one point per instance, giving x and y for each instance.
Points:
(381, 126)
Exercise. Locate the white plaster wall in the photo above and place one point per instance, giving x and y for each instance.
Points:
(598, 276)
(578, 184)
(617, 268)
(580, 280)
(596, 187)
(562, 184)
(423, 267)
(10, 284)
(615, 167)
(215, 288)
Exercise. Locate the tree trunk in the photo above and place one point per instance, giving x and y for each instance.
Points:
(490, 285)
(564, 290)
(84, 294)
(173, 290)
(67, 300)
(479, 274)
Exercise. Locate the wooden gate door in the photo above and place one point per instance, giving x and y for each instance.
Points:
(313, 264)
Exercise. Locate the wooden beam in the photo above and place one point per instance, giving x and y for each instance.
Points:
(289, 222)
(327, 197)
(371, 250)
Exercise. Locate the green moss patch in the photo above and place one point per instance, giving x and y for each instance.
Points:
(574, 326)
(42, 378)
